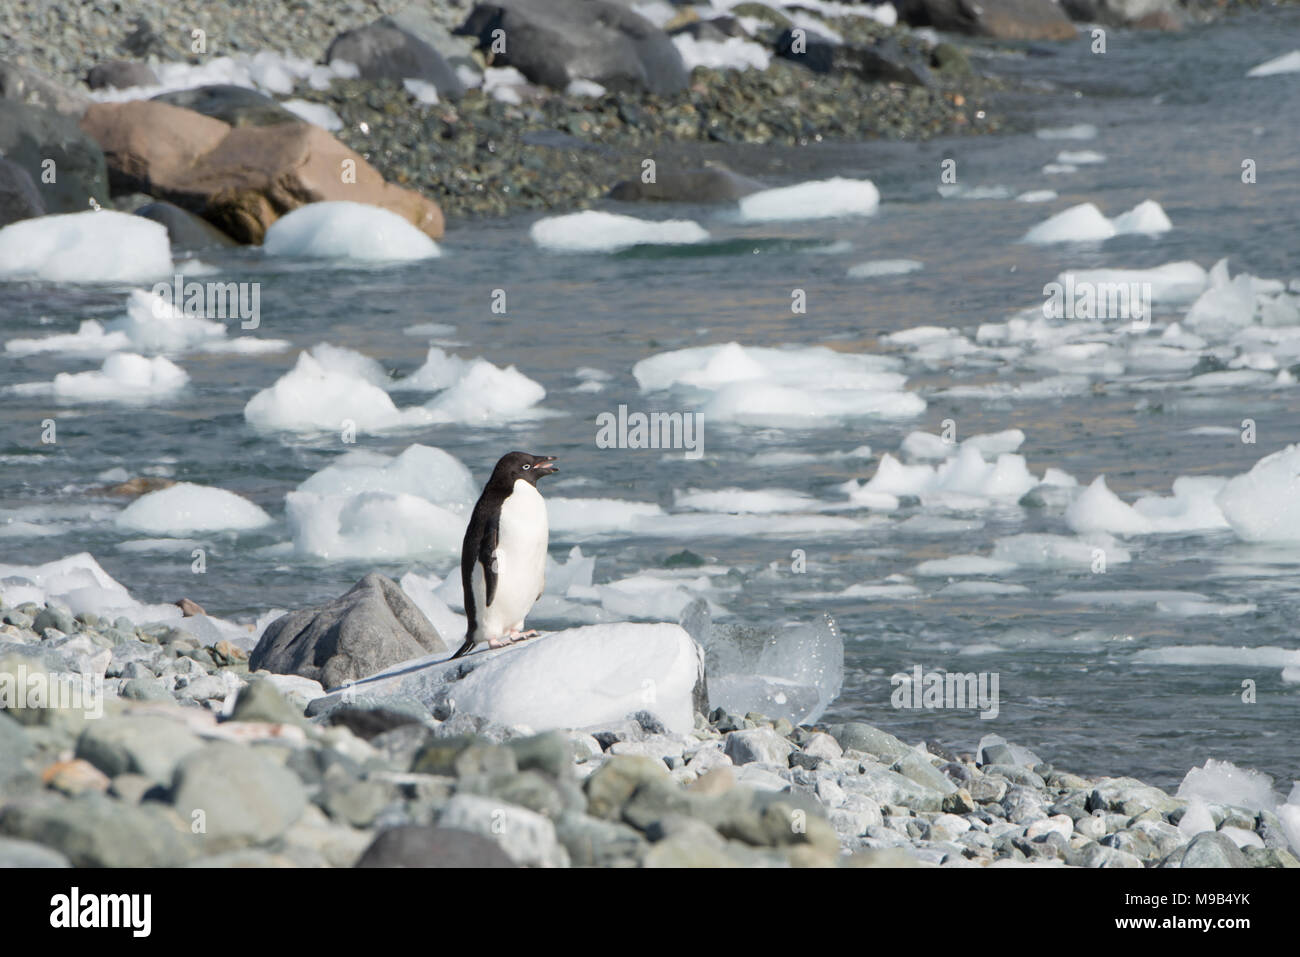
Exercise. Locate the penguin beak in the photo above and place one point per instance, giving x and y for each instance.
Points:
(544, 466)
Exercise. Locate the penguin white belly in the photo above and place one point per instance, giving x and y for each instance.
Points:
(522, 536)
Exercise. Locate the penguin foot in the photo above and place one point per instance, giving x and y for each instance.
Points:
(517, 635)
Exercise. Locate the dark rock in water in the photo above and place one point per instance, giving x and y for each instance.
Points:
(883, 62)
(120, 75)
(1002, 19)
(416, 846)
(22, 85)
(364, 631)
(184, 229)
(19, 197)
(554, 42)
(235, 105)
(950, 59)
(385, 51)
(712, 184)
(1144, 14)
(31, 137)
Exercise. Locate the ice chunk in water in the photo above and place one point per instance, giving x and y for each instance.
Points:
(818, 199)
(596, 232)
(1263, 505)
(794, 671)
(94, 246)
(347, 230)
(1222, 782)
(186, 507)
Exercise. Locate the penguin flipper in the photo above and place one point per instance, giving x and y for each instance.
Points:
(487, 558)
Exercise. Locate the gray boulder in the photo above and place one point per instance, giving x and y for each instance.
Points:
(120, 75)
(419, 846)
(30, 136)
(145, 744)
(245, 798)
(1149, 14)
(22, 85)
(235, 105)
(881, 62)
(94, 831)
(364, 631)
(385, 51)
(711, 184)
(1210, 849)
(19, 197)
(184, 229)
(554, 42)
(1001, 19)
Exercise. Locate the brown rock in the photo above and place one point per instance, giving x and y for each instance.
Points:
(75, 777)
(1159, 20)
(240, 179)
(140, 485)
(190, 608)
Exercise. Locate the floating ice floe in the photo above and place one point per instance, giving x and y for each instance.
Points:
(1080, 131)
(347, 230)
(472, 390)
(1085, 222)
(1286, 63)
(370, 506)
(331, 388)
(124, 377)
(1037, 196)
(317, 395)
(884, 267)
(152, 325)
(592, 231)
(94, 246)
(187, 508)
(78, 582)
(962, 480)
(818, 199)
(1191, 508)
(1080, 157)
(958, 191)
(1263, 505)
(803, 386)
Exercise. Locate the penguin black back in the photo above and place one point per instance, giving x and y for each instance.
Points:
(483, 532)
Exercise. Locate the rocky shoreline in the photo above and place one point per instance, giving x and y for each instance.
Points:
(561, 135)
(191, 760)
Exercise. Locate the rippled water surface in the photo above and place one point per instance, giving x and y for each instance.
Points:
(1175, 117)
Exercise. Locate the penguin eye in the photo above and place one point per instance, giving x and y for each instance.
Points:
(527, 467)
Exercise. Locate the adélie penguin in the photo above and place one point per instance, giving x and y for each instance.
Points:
(503, 558)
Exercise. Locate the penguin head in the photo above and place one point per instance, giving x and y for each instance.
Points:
(521, 465)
